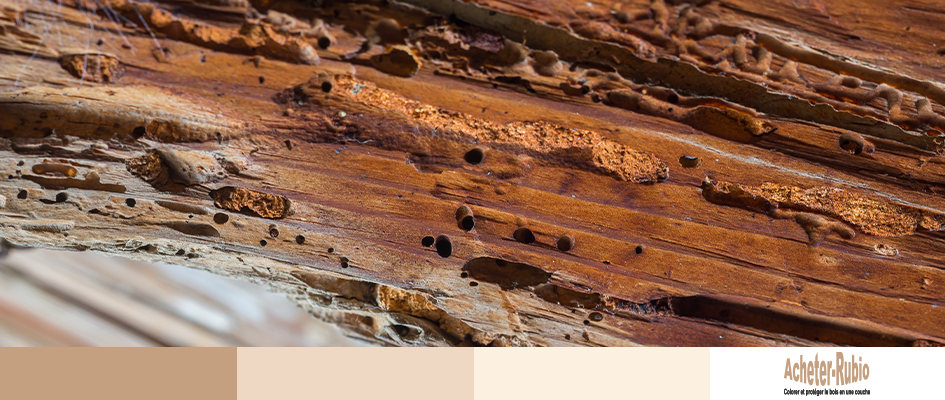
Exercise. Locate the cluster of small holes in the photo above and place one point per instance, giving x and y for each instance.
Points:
(130, 202)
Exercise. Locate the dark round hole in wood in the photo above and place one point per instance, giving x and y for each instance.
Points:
(180, 252)
(221, 218)
(300, 239)
(344, 262)
(62, 197)
(673, 98)
(130, 202)
(565, 243)
(524, 235)
(444, 246)
(474, 283)
(138, 132)
(463, 275)
(326, 86)
(465, 218)
(596, 316)
(467, 223)
(427, 241)
(94, 211)
(689, 161)
(586, 322)
(262, 79)
(263, 242)
(567, 336)
(273, 232)
(331, 249)
(639, 249)
(324, 42)
(475, 156)
(22, 194)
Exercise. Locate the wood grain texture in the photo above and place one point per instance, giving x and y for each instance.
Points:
(528, 173)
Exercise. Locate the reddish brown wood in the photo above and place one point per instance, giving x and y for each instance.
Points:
(705, 173)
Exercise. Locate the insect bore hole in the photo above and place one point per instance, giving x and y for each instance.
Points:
(427, 241)
(444, 246)
(524, 235)
(465, 218)
(565, 243)
(221, 218)
(475, 156)
(138, 132)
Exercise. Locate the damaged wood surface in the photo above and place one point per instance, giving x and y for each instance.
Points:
(500, 173)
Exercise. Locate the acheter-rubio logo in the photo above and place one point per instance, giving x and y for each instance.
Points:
(819, 372)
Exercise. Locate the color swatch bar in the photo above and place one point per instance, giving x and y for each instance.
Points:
(469, 373)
